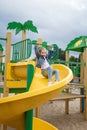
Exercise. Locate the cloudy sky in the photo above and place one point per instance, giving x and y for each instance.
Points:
(57, 21)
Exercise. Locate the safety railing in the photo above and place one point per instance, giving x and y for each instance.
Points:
(21, 50)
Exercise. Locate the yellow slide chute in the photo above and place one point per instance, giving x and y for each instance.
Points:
(12, 108)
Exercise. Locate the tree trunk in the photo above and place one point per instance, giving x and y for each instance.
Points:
(23, 35)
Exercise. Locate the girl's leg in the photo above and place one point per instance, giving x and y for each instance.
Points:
(45, 73)
(48, 74)
(56, 73)
(50, 71)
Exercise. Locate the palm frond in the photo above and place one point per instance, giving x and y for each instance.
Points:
(28, 25)
(13, 25)
(19, 28)
(33, 29)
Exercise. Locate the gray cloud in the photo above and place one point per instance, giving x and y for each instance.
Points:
(58, 21)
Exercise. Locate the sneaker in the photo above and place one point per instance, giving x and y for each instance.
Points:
(49, 83)
(56, 81)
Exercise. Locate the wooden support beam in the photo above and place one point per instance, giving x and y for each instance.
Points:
(68, 96)
(7, 60)
(85, 83)
(67, 101)
(37, 112)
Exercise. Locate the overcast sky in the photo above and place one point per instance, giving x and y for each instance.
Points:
(57, 21)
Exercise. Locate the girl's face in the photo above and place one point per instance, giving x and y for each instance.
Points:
(43, 52)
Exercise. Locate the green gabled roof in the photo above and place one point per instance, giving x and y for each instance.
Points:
(78, 44)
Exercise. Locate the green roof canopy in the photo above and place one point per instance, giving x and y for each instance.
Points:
(78, 44)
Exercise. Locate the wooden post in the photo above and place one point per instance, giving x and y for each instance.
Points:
(81, 80)
(81, 69)
(1, 53)
(67, 57)
(7, 60)
(23, 35)
(85, 83)
(3, 127)
(23, 46)
(39, 40)
(67, 101)
(37, 112)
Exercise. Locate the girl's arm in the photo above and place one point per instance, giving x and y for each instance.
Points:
(50, 52)
(37, 51)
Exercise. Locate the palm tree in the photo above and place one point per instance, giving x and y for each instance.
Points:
(28, 25)
(18, 27)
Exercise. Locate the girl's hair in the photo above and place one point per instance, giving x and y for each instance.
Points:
(41, 48)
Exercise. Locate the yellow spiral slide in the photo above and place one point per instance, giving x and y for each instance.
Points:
(13, 108)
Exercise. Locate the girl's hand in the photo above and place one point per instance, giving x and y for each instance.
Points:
(50, 47)
(38, 44)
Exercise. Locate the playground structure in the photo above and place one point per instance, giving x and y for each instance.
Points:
(15, 81)
(17, 111)
(67, 96)
(78, 45)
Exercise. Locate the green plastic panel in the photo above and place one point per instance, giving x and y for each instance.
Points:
(21, 50)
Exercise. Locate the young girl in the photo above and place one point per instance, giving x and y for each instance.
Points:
(43, 63)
